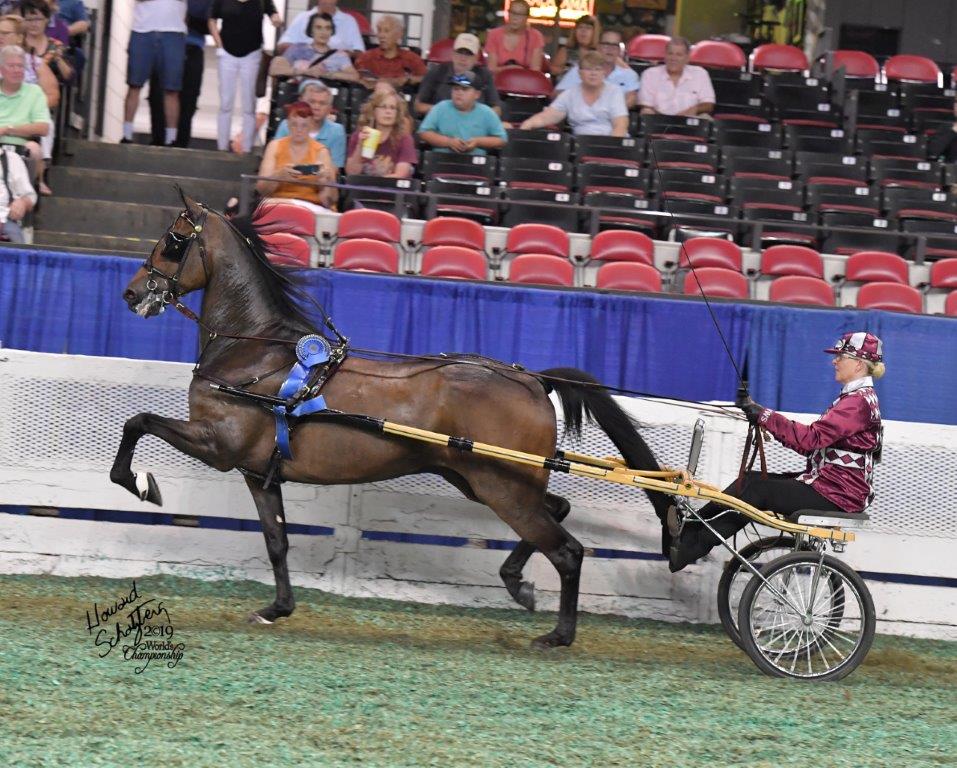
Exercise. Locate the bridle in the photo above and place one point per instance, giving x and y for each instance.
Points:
(177, 249)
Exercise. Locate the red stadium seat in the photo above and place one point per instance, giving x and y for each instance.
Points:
(890, 296)
(647, 47)
(856, 63)
(799, 289)
(541, 269)
(365, 255)
(779, 260)
(284, 217)
(716, 283)
(943, 274)
(710, 252)
(876, 267)
(629, 276)
(370, 223)
(518, 81)
(950, 304)
(778, 57)
(622, 245)
(287, 249)
(453, 261)
(914, 69)
(718, 54)
(537, 238)
(451, 230)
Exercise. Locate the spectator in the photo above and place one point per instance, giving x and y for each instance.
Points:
(318, 58)
(593, 106)
(616, 71)
(36, 16)
(157, 42)
(73, 12)
(943, 144)
(37, 73)
(395, 153)
(462, 124)
(16, 196)
(289, 159)
(57, 28)
(323, 129)
(24, 113)
(197, 15)
(584, 37)
(676, 87)
(435, 85)
(399, 67)
(346, 37)
(515, 44)
(239, 50)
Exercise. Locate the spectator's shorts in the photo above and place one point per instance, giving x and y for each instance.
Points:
(161, 52)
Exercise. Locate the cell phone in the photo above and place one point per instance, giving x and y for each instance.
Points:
(307, 170)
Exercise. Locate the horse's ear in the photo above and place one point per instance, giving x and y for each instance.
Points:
(194, 208)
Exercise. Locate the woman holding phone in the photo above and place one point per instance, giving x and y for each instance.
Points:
(295, 158)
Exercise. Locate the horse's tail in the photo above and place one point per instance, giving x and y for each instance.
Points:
(582, 396)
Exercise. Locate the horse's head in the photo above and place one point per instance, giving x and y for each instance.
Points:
(178, 264)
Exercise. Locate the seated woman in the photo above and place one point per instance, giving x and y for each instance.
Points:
(315, 59)
(515, 44)
(583, 38)
(841, 448)
(593, 107)
(295, 158)
(395, 153)
(36, 16)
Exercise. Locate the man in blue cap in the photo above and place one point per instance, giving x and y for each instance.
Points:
(461, 123)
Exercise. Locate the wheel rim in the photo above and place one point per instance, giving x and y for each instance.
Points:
(807, 624)
(742, 576)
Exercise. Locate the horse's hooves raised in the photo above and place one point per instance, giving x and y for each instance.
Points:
(255, 618)
(526, 595)
(551, 640)
(147, 489)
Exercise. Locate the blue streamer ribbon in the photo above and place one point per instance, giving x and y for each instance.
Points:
(311, 351)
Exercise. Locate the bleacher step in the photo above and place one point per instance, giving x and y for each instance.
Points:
(96, 217)
(82, 242)
(146, 188)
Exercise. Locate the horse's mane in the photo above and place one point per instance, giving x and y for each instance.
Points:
(282, 285)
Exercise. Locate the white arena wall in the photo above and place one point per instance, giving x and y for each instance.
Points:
(61, 419)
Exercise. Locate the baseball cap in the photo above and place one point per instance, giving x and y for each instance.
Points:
(465, 80)
(467, 41)
(859, 344)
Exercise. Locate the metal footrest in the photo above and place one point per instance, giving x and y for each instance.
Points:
(828, 519)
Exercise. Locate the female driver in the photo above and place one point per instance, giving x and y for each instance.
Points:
(841, 448)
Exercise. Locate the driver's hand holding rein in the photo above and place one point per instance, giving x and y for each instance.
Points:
(841, 449)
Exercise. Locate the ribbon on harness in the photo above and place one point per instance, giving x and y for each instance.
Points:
(312, 351)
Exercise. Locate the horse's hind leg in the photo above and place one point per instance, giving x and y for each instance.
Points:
(273, 520)
(523, 592)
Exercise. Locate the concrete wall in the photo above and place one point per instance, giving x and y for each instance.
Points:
(927, 26)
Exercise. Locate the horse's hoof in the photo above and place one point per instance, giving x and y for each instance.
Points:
(526, 595)
(255, 618)
(551, 640)
(147, 489)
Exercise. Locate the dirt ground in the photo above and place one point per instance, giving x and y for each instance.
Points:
(348, 682)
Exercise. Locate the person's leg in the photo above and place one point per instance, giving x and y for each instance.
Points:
(173, 57)
(139, 64)
(249, 68)
(189, 96)
(228, 67)
(157, 111)
(775, 492)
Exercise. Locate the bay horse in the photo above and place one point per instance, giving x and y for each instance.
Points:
(252, 319)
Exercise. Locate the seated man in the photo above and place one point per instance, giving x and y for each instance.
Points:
(676, 87)
(462, 124)
(399, 67)
(435, 85)
(24, 114)
(616, 71)
(17, 196)
(317, 95)
(943, 144)
(593, 106)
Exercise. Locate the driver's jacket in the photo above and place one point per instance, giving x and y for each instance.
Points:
(840, 446)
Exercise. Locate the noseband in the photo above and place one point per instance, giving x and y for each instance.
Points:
(178, 249)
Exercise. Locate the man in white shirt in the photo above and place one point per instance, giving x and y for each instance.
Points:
(17, 195)
(676, 87)
(616, 71)
(345, 38)
(157, 44)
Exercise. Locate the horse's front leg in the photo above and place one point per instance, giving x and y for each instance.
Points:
(273, 520)
(194, 438)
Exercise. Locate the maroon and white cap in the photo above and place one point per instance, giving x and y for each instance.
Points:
(859, 344)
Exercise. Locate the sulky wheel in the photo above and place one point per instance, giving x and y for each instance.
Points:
(735, 577)
(807, 618)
